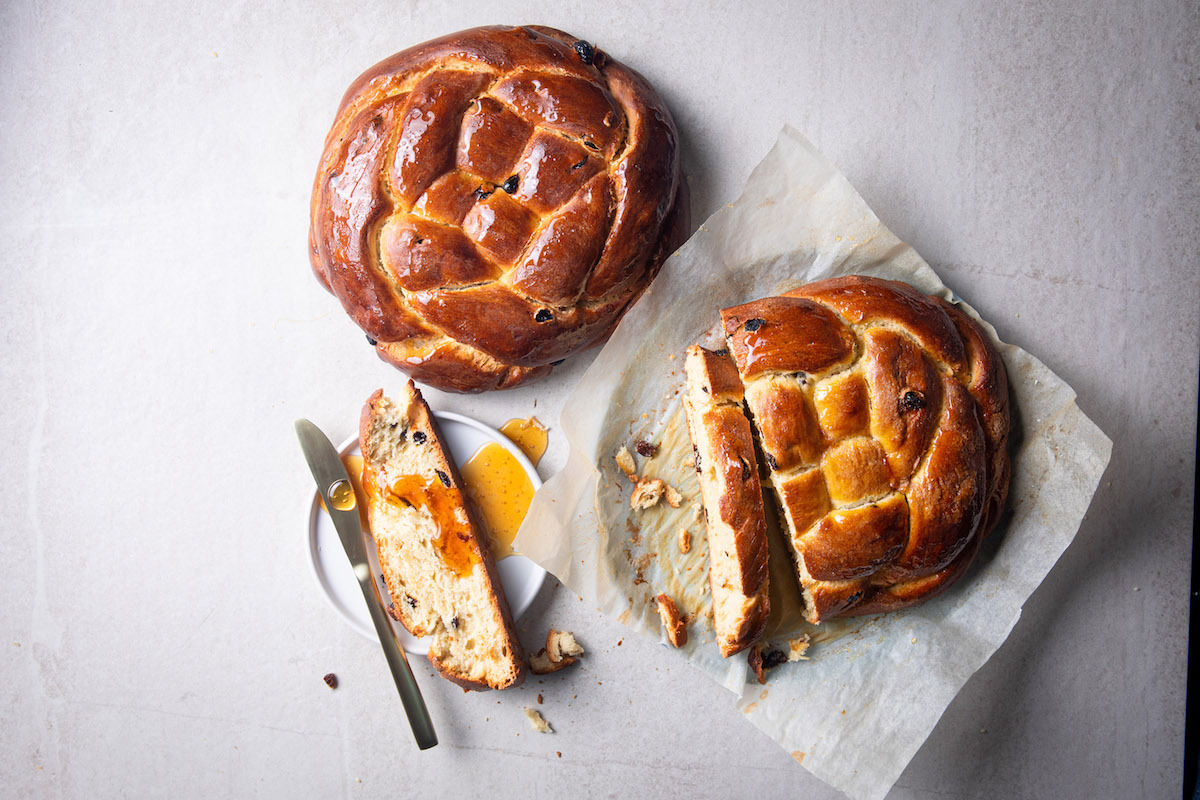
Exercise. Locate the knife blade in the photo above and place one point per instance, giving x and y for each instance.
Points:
(330, 474)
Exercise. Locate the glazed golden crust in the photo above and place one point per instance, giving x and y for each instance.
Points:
(490, 202)
(883, 415)
(732, 498)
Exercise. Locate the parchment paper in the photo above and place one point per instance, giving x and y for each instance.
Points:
(857, 712)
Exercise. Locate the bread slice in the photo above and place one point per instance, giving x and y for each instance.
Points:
(433, 551)
(732, 498)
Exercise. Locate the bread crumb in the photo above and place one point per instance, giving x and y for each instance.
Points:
(675, 627)
(562, 645)
(673, 496)
(754, 659)
(798, 647)
(625, 462)
(537, 721)
(561, 651)
(539, 698)
(558, 753)
(647, 493)
(689, 460)
(685, 540)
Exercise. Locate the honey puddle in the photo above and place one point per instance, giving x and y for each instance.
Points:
(529, 435)
(502, 492)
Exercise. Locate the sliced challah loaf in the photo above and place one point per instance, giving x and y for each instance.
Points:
(883, 416)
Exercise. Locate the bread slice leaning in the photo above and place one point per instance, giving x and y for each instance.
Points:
(732, 497)
(433, 551)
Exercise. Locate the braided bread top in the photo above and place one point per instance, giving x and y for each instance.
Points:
(883, 416)
(490, 202)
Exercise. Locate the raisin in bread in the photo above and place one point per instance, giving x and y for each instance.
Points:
(732, 497)
(433, 551)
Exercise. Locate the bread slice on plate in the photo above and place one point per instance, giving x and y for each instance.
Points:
(433, 550)
(732, 497)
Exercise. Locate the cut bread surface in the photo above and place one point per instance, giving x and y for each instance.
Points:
(732, 498)
(432, 548)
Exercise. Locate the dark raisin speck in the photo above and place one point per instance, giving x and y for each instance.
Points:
(419, 437)
(331, 681)
(511, 184)
(646, 449)
(773, 659)
(854, 598)
(745, 469)
(383, 581)
(412, 601)
(912, 401)
(771, 460)
(392, 612)
(543, 315)
(443, 477)
(696, 460)
(556, 363)
(481, 193)
(585, 51)
(724, 351)
(454, 623)
(371, 341)
(403, 434)
(754, 324)
(582, 161)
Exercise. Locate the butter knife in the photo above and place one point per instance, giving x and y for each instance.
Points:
(333, 482)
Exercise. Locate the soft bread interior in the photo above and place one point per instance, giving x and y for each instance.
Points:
(434, 558)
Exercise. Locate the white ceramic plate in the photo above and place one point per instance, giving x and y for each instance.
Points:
(520, 577)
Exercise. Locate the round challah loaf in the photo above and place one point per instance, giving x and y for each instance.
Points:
(883, 417)
(490, 202)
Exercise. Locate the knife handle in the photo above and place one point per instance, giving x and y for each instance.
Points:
(410, 695)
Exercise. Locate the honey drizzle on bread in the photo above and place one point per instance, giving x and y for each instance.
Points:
(432, 549)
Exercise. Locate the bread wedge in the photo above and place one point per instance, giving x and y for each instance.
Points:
(732, 498)
(432, 548)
